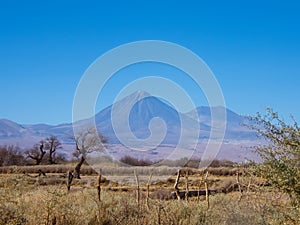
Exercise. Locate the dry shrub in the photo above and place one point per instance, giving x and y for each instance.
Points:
(171, 180)
(131, 161)
(227, 185)
(161, 194)
(223, 171)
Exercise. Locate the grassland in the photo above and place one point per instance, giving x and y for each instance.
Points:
(29, 198)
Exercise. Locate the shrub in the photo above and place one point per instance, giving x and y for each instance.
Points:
(128, 160)
(281, 153)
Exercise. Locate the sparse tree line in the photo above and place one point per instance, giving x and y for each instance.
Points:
(44, 152)
(11, 155)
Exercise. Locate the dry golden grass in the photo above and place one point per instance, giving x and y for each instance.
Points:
(45, 200)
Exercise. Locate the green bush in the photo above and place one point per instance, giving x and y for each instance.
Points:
(280, 154)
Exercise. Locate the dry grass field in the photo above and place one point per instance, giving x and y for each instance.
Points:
(27, 197)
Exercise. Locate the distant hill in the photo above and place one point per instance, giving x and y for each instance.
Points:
(10, 129)
(143, 108)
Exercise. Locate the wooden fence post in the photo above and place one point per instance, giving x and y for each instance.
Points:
(137, 189)
(70, 179)
(147, 194)
(199, 188)
(187, 185)
(206, 190)
(99, 186)
(239, 185)
(176, 185)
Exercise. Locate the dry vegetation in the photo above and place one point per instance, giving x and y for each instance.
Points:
(134, 192)
(29, 197)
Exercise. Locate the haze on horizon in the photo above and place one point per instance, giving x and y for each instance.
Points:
(253, 50)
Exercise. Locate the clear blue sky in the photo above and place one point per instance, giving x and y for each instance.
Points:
(253, 48)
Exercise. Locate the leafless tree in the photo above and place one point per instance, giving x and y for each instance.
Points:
(86, 142)
(52, 144)
(37, 153)
(11, 155)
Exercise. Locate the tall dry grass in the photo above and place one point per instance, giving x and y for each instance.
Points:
(22, 202)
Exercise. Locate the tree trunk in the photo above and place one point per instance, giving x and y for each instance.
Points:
(40, 158)
(78, 167)
(51, 161)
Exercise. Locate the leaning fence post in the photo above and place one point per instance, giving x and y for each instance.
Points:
(70, 179)
(99, 186)
(176, 185)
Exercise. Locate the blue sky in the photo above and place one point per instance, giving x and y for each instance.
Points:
(253, 48)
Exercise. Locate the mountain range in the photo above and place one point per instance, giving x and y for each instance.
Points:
(142, 108)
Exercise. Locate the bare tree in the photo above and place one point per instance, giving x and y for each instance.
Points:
(52, 144)
(37, 153)
(87, 142)
(11, 155)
